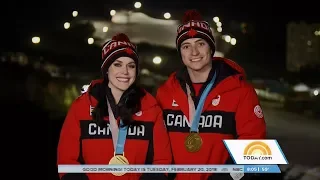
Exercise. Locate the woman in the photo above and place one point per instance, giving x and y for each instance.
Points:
(115, 121)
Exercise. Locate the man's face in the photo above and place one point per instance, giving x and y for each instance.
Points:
(196, 53)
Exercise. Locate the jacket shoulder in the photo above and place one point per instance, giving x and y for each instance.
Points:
(80, 104)
(246, 84)
(149, 104)
(148, 101)
(83, 98)
(168, 84)
(246, 87)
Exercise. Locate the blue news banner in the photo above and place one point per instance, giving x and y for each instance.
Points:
(169, 168)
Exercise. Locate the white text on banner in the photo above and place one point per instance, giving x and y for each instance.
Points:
(168, 168)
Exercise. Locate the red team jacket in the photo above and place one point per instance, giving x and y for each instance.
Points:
(83, 142)
(231, 110)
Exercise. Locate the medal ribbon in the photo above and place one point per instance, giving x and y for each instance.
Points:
(119, 135)
(194, 114)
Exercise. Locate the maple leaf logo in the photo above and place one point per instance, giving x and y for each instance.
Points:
(192, 33)
(129, 51)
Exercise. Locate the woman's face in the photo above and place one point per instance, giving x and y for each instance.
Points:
(122, 73)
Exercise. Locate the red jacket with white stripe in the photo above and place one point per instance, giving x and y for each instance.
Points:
(231, 110)
(82, 141)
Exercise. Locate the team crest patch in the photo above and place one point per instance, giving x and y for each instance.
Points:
(84, 88)
(258, 111)
(139, 113)
(216, 101)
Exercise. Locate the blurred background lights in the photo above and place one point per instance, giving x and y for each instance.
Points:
(233, 41)
(90, 40)
(137, 5)
(216, 19)
(105, 29)
(66, 25)
(113, 12)
(36, 40)
(75, 13)
(167, 15)
(157, 60)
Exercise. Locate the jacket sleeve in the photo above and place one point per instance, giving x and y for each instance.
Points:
(69, 144)
(250, 122)
(161, 142)
(161, 148)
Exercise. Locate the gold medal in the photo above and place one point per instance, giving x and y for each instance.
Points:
(118, 160)
(193, 142)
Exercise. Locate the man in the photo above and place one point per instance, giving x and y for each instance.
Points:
(229, 107)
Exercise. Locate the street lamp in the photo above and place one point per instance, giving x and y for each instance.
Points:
(90, 40)
(233, 41)
(167, 15)
(157, 60)
(66, 25)
(75, 13)
(36, 40)
(113, 12)
(216, 19)
(105, 29)
(137, 5)
(227, 38)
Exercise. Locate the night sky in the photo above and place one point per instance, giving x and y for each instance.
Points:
(27, 18)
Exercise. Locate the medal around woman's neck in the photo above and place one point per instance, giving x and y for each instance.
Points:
(119, 135)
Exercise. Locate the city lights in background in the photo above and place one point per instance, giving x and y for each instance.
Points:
(229, 39)
(157, 60)
(75, 13)
(145, 72)
(216, 19)
(105, 29)
(113, 12)
(317, 33)
(218, 23)
(233, 41)
(90, 40)
(167, 15)
(137, 5)
(66, 25)
(36, 40)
